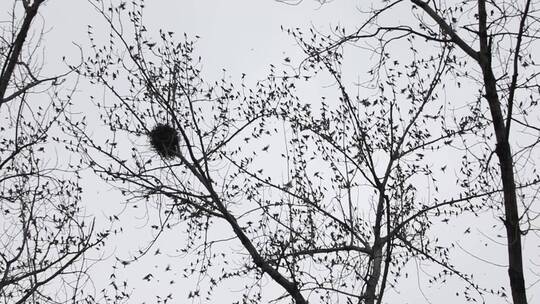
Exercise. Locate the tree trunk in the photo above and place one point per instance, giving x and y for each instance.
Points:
(371, 286)
(511, 221)
(506, 164)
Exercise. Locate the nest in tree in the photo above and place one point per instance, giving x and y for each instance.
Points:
(164, 139)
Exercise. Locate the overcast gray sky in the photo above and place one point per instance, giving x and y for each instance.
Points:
(242, 36)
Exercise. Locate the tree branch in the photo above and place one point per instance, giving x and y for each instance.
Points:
(447, 29)
(15, 52)
(513, 84)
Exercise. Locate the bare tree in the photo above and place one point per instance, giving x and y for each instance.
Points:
(326, 197)
(44, 236)
(497, 38)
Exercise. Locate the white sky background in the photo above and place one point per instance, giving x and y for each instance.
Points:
(242, 36)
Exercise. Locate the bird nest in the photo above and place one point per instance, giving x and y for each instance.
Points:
(164, 140)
